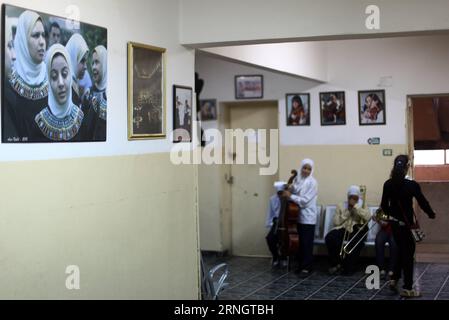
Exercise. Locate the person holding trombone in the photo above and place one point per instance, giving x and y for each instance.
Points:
(349, 219)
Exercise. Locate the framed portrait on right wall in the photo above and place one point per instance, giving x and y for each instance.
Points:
(333, 108)
(372, 107)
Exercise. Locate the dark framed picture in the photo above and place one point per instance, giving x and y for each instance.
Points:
(372, 109)
(38, 49)
(182, 114)
(333, 108)
(249, 87)
(208, 109)
(298, 109)
(146, 92)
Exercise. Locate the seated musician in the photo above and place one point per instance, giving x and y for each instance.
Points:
(273, 211)
(304, 192)
(348, 219)
(384, 236)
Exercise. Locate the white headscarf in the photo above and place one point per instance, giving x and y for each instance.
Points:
(300, 180)
(354, 191)
(77, 49)
(33, 74)
(58, 110)
(103, 56)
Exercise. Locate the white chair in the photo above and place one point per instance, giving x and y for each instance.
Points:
(210, 287)
(329, 219)
(375, 228)
(319, 221)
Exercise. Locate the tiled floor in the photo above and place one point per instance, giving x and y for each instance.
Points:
(254, 279)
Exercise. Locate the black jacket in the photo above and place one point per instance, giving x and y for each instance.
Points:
(397, 200)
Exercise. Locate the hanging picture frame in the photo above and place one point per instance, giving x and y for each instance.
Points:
(146, 92)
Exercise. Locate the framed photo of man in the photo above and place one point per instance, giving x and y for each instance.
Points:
(146, 92)
(38, 49)
(372, 109)
(333, 108)
(182, 114)
(298, 109)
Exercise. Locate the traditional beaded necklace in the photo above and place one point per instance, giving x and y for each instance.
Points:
(27, 91)
(60, 129)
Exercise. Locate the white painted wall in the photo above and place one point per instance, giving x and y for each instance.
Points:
(153, 22)
(214, 22)
(415, 65)
(304, 59)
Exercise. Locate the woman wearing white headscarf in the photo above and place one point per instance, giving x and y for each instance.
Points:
(28, 77)
(78, 51)
(98, 98)
(304, 192)
(348, 218)
(60, 120)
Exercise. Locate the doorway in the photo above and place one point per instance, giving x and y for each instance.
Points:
(248, 193)
(429, 145)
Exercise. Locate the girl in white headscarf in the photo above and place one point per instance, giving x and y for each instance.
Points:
(98, 97)
(348, 219)
(28, 77)
(78, 51)
(61, 120)
(304, 192)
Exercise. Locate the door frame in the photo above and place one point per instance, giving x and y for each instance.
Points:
(224, 122)
(409, 125)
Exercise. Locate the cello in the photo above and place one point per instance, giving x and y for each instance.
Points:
(287, 224)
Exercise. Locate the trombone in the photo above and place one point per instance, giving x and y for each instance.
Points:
(380, 215)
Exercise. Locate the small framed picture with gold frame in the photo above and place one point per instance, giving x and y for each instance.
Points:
(146, 92)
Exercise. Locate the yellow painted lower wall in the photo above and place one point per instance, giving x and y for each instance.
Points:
(339, 167)
(129, 223)
(336, 169)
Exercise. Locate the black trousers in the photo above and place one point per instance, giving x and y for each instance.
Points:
(306, 237)
(272, 241)
(406, 254)
(334, 240)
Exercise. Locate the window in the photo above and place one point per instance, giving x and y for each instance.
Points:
(431, 157)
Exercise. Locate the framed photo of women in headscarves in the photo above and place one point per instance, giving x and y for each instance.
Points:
(54, 78)
(146, 92)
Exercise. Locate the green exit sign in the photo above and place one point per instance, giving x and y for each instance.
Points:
(388, 152)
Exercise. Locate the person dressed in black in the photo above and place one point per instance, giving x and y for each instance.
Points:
(397, 202)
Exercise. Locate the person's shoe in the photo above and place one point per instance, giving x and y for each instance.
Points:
(410, 293)
(334, 270)
(306, 271)
(275, 263)
(284, 263)
(393, 285)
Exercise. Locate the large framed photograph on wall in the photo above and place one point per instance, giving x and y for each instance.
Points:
(333, 108)
(182, 114)
(54, 78)
(298, 109)
(372, 109)
(146, 92)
